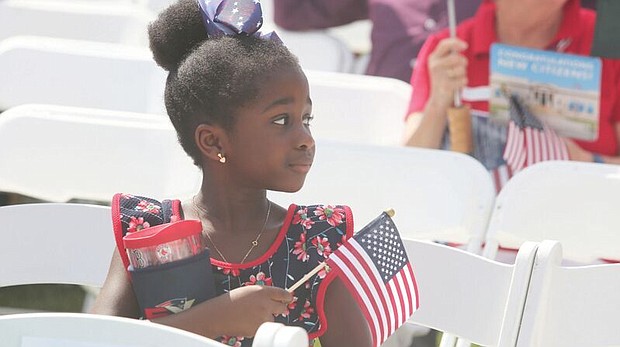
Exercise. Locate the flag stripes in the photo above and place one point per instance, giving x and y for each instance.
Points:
(528, 140)
(385, 304)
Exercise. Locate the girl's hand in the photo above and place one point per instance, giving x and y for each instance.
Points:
(244, 309)
(448, 71)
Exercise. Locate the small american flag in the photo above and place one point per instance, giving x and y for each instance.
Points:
(375, 268)
(529, 141)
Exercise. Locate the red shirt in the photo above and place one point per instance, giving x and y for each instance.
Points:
(574, 36)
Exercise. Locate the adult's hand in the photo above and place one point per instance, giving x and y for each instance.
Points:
(448, 71)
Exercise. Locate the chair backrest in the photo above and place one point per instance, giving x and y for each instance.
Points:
(469, 296)
(154, 6)
(570, 306)
(350, 108)
(358, 108)
(81, 329)
(79, 73)
(104, 21)
(317, 50)
(57, 154)
(438, 195)
(55, 243)
(572, 202)
(273, 334)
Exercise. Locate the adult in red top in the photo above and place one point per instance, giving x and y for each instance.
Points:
(560, 25)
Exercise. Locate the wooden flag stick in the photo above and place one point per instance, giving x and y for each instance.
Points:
(459, 119)
(306, 277)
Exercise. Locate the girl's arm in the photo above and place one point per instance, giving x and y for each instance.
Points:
(346, 325)
(116, 297)
(237, 313)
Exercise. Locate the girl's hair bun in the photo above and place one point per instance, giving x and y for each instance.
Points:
(176, 32)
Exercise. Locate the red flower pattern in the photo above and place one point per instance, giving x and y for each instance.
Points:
(322, 246)
(137, 224)
(229, 271)
(291, 306)
(300, 248)
(323, 272)
(149, 207)
(307, 311)
(333, 215)
(260, 279)
(301, 217)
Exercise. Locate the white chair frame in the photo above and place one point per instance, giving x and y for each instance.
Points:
(57, 154)
(573, 202)
(55, 243)
(570, 306)
(437, 195)
(469, 296)
(80, 330)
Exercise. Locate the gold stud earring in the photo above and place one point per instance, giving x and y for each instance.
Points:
(222, 158)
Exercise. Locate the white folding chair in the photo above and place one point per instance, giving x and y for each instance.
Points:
(437, 195)
(570, 306)
(57, 154)
(318, 50)
(55, 243)
(79, 73)
(572, 202)
(89, 330)
(470, 296)
(358, 108)
(104, 21)
(279, 335)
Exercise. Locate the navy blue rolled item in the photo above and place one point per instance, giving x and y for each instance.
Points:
(173, 287)
(170, 267)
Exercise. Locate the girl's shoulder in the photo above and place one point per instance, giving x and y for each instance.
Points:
(321, 218)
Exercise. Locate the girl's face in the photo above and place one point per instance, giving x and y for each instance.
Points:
(270, 145)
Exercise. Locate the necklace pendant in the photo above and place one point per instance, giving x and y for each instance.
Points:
(254, 243)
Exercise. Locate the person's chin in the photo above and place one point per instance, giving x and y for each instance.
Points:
(291, 186)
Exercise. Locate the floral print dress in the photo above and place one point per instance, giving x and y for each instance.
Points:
(308, 236)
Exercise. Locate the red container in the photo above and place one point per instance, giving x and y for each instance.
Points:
(164, 243)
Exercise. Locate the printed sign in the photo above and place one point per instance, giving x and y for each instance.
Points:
(562, 90)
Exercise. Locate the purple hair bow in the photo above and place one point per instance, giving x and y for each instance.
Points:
(234, 17)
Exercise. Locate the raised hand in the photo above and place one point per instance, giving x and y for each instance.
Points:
(448, 71)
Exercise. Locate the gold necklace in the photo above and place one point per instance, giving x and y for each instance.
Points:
(253, 244)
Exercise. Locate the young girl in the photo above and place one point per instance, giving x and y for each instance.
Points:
(241, 107)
